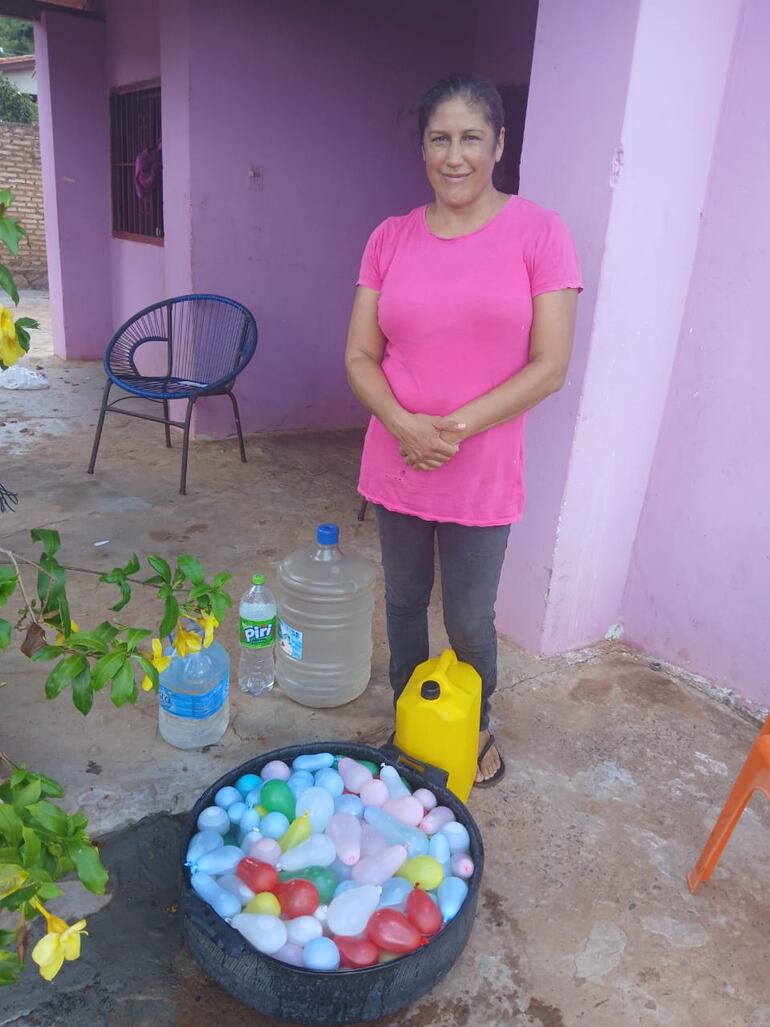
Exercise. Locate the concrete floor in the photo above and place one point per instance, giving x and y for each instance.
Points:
(616, 769)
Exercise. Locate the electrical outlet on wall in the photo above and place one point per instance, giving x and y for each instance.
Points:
(256, 177)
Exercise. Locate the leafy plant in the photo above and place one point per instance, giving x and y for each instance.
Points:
(16, 106)
(14, 335)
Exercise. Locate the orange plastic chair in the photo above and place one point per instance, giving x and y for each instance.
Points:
(754, 776)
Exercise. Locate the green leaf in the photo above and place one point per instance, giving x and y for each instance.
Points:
(11, 234)
(190, 566)
(134, 636)
(106, 631)
(82, 693)
(105, 668)
(170, 617)
(154, 580)
(63, 673)
(149, 669)
(7, 284)
(219, 605)
(125, 595)
(87, 641)
(49, 816)
(222, 578)
(7, 938)
(46, 652)
(132, 566)
(50, 539)
(10, 824)
(6, 198)
(27, 322)
(32, 847)
(160, 566)
(10, 968)
(88, 866)
(8, 581)
(50, 787)
(5, 634)
(123, 686)
(199, 591)
(26, 794)
(22, 337)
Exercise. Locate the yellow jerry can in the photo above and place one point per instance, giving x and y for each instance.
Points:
(437, 719)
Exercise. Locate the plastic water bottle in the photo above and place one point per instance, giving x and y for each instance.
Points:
(256, 666)
(325, 606)
(194, 698)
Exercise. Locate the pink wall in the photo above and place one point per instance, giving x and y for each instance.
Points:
(699, 588)
(574, 120)
(74, 134)
(678, 72)
(313, 95)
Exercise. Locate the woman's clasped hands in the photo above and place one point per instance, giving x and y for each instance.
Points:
(427, 442)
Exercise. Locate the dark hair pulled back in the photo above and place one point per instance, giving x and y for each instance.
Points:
(476, 90)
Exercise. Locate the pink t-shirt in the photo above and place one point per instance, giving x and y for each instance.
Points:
(456, 314)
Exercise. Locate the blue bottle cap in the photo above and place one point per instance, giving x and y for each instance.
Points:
(327, 535)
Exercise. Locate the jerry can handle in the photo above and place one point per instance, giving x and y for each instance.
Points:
(433, 775)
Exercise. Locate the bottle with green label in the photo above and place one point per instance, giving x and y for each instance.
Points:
(256, 666)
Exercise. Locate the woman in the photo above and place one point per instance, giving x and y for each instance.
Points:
(462, 321)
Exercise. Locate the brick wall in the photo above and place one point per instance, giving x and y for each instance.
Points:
(20, 170)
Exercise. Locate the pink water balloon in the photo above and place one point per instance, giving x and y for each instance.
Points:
(354, 774)
(276, 770)
(407, 809)
(378, 868)
(427, 799)
(462, 865)
(436, 819)
(372, 841)
(375, 793)
(345, 831)
(267, 850)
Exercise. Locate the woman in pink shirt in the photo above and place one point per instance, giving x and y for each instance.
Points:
(462, 322)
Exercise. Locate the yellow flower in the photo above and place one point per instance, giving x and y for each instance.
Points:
(60, 943)
(10, 350)
(186, 641)
(60, 638)
(208, 622)
(159, 662)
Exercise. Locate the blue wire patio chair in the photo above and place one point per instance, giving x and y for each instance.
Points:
(188, 347)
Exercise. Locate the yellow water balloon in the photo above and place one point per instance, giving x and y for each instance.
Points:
(297, 833)
(422, 872)
(264, 902)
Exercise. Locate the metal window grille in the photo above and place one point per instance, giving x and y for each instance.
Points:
(135, 127)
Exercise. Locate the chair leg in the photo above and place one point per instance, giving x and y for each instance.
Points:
(362, 509)
(237, 416)
(186, 446)
(99, 425)
(167, 425)
(755, 774)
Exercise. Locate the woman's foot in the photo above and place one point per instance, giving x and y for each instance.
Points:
(491, 766)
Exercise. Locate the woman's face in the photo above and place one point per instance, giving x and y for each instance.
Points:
(460, 151)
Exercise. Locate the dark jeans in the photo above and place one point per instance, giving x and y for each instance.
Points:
(471, 560)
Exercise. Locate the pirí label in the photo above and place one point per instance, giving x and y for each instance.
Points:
(257, 634)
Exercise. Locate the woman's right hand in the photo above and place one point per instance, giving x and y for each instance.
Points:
(419, 439)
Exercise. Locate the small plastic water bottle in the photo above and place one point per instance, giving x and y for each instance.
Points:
(256, 666)
(194, 698)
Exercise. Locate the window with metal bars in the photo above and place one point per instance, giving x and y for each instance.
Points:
(136, 156)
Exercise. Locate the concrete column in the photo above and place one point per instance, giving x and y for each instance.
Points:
(75, 149)
(622, 146)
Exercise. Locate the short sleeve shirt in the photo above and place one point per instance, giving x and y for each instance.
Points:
(456, 315)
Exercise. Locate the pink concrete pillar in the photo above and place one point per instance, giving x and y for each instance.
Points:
(74, 147)
(622, 146)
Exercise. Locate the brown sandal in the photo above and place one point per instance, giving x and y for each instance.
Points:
(499, 773)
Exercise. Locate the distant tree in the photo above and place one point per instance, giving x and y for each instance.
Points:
(15, 105)
(15, 37)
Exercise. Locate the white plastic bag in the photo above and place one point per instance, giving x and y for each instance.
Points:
(20, 377)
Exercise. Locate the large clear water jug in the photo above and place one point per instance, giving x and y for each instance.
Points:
(194, 698)
(325, 602)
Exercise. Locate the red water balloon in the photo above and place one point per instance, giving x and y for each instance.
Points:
(423, 912)
(257, 875)
(356, 953)
(391, 931)
(297, 897)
